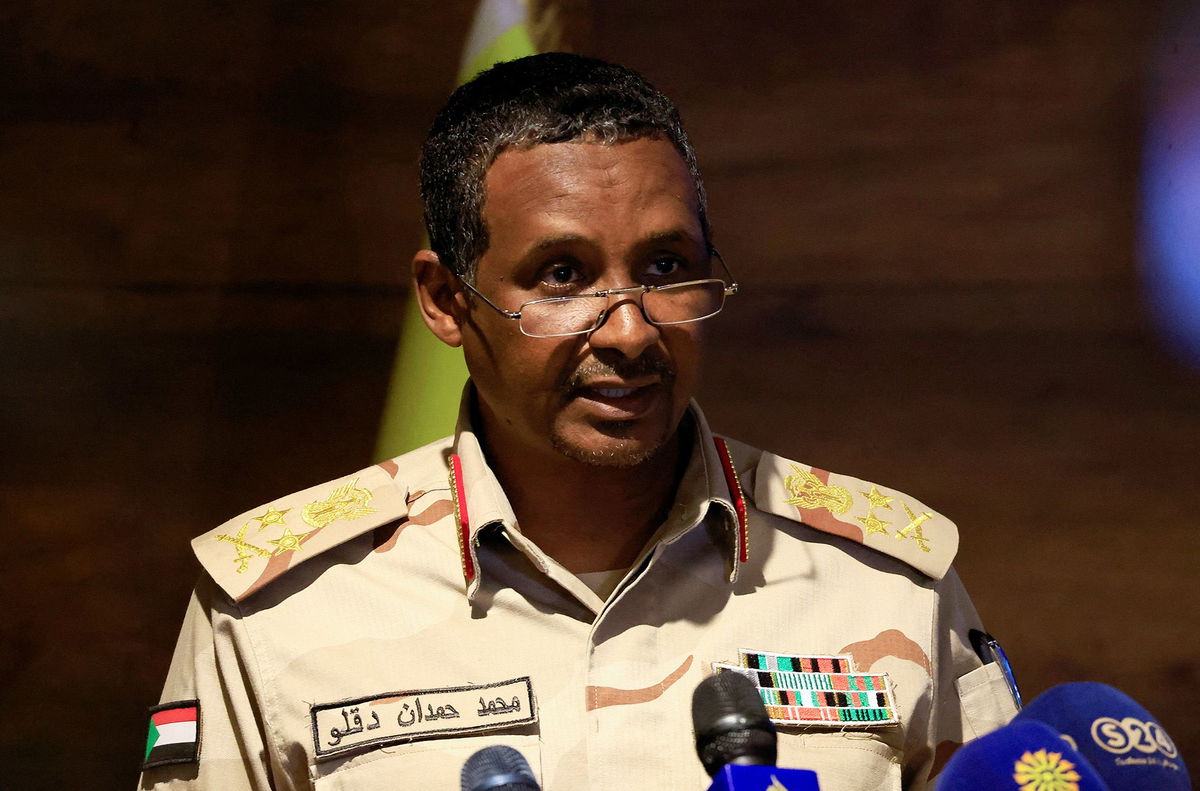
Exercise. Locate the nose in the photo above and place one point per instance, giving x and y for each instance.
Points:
(625, 329)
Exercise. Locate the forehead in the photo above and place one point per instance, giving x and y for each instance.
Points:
(609, 195)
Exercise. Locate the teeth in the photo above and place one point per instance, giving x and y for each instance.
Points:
(614, 392)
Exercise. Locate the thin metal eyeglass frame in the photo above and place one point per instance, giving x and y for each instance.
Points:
(731, 288)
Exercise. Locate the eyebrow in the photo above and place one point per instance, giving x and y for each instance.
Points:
(673, 236)
(664, 237)
(549, 242)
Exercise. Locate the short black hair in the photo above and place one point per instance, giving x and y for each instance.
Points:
(554, 97)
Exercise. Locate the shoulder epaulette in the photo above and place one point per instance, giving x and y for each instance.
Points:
(253, 549)
(878, 517)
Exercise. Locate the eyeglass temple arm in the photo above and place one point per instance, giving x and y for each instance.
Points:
(506, 313)
(732, 288)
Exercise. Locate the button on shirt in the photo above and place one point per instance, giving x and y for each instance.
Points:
(336, 630)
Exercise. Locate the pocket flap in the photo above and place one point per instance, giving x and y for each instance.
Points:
(986, 702)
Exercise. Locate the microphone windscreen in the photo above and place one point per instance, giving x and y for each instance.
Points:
(731, 724)
(1120, 739)
(498, 768)
(1019, 756)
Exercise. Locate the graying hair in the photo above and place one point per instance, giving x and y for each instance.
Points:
(550, 98)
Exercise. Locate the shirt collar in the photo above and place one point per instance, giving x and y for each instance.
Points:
(709, 488)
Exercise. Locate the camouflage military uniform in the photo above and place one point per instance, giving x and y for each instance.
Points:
(374, 631)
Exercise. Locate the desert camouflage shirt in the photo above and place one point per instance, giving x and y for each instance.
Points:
(374, 631)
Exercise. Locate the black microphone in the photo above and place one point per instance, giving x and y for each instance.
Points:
(736, 741)
(498, 768)
(732, 727)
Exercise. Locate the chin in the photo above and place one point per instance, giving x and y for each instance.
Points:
(615, 448)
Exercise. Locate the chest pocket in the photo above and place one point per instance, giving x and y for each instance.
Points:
(431, 764)
(842, 761)
(986, 702)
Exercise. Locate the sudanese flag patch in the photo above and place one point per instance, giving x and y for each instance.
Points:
(174, 734)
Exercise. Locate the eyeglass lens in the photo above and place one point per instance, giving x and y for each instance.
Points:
(671, 305)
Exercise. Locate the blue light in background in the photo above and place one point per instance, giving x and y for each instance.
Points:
(1170, 222)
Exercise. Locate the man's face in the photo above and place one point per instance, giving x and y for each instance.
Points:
(575, 218)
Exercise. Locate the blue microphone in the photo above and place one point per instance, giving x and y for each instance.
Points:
(740, 777)
(1021, 755)
(1120, 739)
(736, 741)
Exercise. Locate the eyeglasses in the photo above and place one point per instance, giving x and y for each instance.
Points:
(674, 303)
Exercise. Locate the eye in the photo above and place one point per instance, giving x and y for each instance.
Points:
(561, 274)
(666, 266)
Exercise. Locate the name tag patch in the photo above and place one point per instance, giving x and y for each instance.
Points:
(816, 690)
(405, 716)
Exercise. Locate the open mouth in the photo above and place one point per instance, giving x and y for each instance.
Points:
(620, 402)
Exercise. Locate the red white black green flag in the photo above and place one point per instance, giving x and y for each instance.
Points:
(174, 734)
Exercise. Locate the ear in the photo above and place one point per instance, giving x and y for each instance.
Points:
(438, 296)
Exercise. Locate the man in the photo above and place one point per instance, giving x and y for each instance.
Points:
(560, 574)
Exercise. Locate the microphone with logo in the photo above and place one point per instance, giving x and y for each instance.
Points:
(1122, 741)
(1018, 756)
(498, 768)
(736, 741)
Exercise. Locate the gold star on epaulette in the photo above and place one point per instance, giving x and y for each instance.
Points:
(271, 517)
(288, 541)
(878, 499)
(873, 524)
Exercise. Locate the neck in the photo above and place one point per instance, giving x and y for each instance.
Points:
(589, 517)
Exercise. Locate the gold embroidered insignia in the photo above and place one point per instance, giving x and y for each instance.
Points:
(1045, 771)
(877, 499)
(271, 517)
(873, 524)
(245, 550)
(348, 501)
(914, 530)
(808, 491)
(288, 541)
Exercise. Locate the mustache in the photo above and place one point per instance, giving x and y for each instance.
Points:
(621, 368)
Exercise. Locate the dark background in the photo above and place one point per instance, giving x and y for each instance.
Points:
(206, 213)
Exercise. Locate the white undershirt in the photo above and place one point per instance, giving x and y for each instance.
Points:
(602, 583)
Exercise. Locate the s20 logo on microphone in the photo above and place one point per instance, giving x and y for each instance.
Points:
(1130, 733)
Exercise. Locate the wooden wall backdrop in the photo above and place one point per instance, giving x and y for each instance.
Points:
(206, 209)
